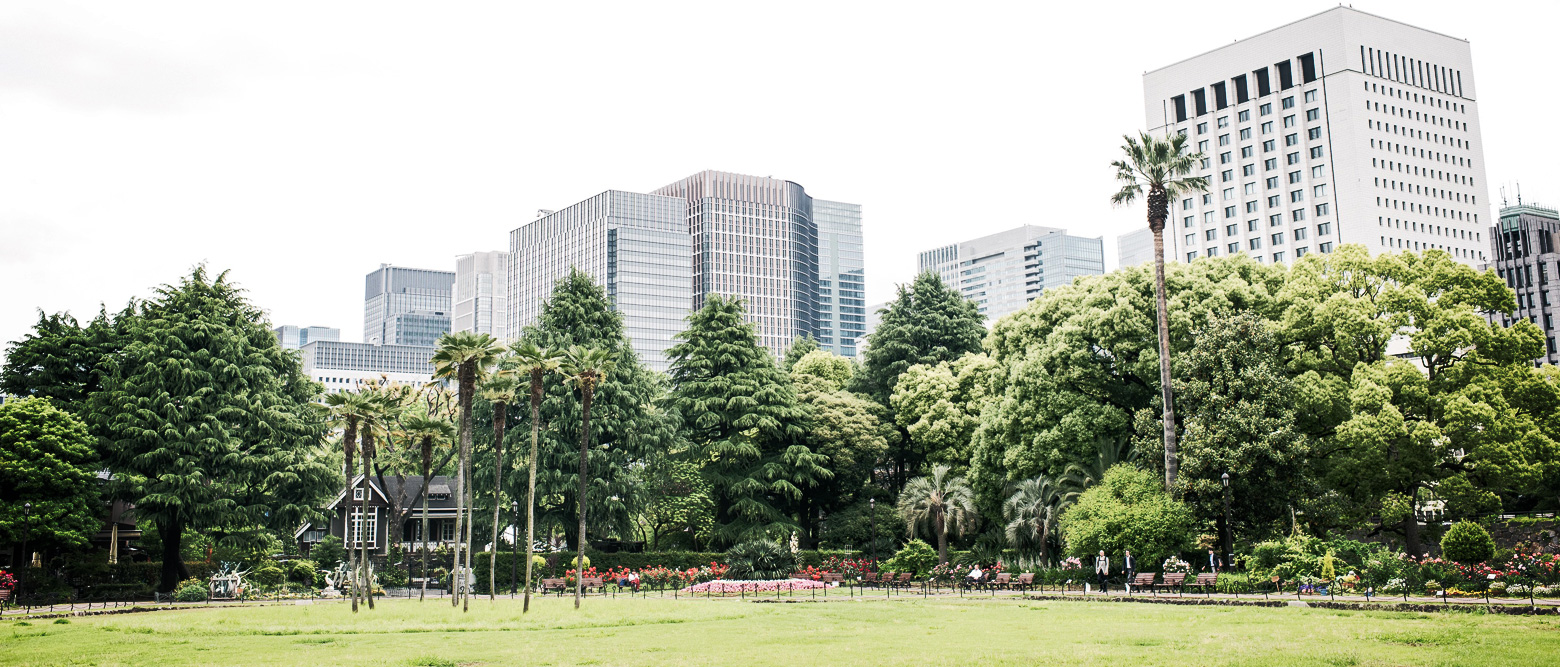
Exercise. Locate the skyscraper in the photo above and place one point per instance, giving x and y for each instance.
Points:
(1003, 271)
(481, 300)
(294, 337)
(757, 238)
(1136, 247)
(635, 245)
(1343, 127)
(842, 300)
(404, 306)
(1522, 244)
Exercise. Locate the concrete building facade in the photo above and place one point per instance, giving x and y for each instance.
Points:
(403, 306)
(293, 337)
(1343, 127)
(1137, 247)
(1004, 271)
(340, 365)
(1523, 252)
(481, 298)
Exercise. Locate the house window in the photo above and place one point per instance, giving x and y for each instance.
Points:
(447, 531)
(357, 493)
(356, 530)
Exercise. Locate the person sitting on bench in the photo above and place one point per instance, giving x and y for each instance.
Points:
(975, 576)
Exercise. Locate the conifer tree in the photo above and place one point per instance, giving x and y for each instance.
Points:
(743, 421)
(208, 422)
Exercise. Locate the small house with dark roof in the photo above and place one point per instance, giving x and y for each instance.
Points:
(384, 494)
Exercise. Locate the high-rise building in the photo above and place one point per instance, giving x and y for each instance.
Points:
(758, 239)
(339, 366)
(482, 294)
(403, 306)
(1522, 244)
(1137, 247)
(1006, 270)
(294, 337)
(842, 283)
(1343, 127)
(635, 245)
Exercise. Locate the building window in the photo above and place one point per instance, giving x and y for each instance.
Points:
(1289, 121)
(1324, 229)
(1300, 251)
(1213, 252)
(1270, 164)
(1278, 257)
(1297, 215)
(1245, 132)
(1275, 220)
(1294, 158)
(1224, 158)
(1191, 239)
(357, 493)
(1265, 109)
(1251, 207)
(1296, 195)
(1230, 230)
(1316, 152)
(1313, 114)
(1253, 225)
(1248, 170)
(1316, 171)
(1229, 211)
(1291, 139)
(1269, 146)
(1227, 175)
(1324, 248)
(1208, 217)
(1186, 204)
(1224, 121)
(1289, 102)
(357, 530)
(1202, 128)
(1191, 255)
(1277, 239)
(1233, 248)
(1244, 115)
(1314, 133)
(1310, 95)
(1300, 234)
(1186, 221)
(1224, 139)
(1245, 151)
(1229, 193)
(1207, 199)
(1322, 209)
(1211, 234)
(1256, 244)
(1294, 177)
(1267, 127)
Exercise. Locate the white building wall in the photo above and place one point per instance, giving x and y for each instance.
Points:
(481, 294)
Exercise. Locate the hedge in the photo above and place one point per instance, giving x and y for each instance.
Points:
(679, 560)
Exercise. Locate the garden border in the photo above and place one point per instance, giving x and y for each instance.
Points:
(1515, 610)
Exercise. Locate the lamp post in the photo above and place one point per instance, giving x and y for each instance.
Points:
(514, 543)
(1229, 546)
(872, 517)
(26, 557)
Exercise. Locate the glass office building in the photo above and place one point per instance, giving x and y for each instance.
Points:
(1523, 244)
(403, 306)
(294, 337)
(1004, 271)
(482, 294)
(842, 302)
(636, 246)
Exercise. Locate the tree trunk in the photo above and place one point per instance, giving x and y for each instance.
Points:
(468, 384)
(1172, 461)
(1411, 528)
(427, 480)
(172, 533)
(587, 392)
(368, 456)
(530, 494)
(942, 541)
(500, 420)
(471, 510)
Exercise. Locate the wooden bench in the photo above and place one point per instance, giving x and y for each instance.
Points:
(1024, 581)
(904, 579)
(833, 578)
(1002, 580)
(1172, 580)
(1206, 580)
(588, 583)
(559, 585)
(1143, 580)
(869, 579)
(801, 575)
(5, 597)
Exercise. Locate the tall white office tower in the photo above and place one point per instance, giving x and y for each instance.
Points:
(1135, 247)
(1343, 127)
(1003, 271)
(482, 294)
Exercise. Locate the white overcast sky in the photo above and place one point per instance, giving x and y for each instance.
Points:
(299, 145)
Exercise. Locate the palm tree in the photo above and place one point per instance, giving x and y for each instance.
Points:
(944, 501)
(585, 368)
(1162, 167)
(500, 391)
(1032, 512)
(372, 424)
(464, 356)
(427, 432)
(537, 362)
(347, 411)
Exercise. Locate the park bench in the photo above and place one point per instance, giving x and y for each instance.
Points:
(554, 585)
(1003, 580)
(1143, 580)
(904, 579)
(1172, 580)
(800, 575)
(588, 583)
(833, 578)
(873, 579)
(1024, 581)
(1206, 580)
(5, 597)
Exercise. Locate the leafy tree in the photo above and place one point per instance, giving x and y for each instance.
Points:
(1163, 168)
(1468, 542)
(760, 559)
(536, 363)
(799, 348)
(629, 420)
(464, 357)
(741, 418)
(585, 368)
(1032, 513)
(680, 511)
(916, 556)
(208, 421)
(939, 406)
(61, 360)
(1239, 412)
(46, 459)
(941, 501)
(846, 428)
(821, 370)
(1128, 510)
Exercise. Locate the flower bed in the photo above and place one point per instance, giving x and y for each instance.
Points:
(738, 586)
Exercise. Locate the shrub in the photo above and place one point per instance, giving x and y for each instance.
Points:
(1128, 509)
(302, 571)
(268, 575)
(760, 559)
(396, 577)
(1467, 542)
(191, 590)
(917, 557)
(329, 552)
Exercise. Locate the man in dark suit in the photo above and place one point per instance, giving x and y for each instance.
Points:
(1213, 561)
(1128, 565)
(1101, 569)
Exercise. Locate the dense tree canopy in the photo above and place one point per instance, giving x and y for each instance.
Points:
(47, 459)
(61, 360)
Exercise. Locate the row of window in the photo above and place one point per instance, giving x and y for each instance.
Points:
(1279, 257)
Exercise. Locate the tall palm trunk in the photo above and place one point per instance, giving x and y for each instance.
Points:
(1158, 210)
(348, 445)
(530, 494)
(427, 462)
(500, 420)
(368, 455)
(468, 383)
(942, 540)
(471, 510)
(587, 393)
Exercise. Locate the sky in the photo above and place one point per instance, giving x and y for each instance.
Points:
(300, 145)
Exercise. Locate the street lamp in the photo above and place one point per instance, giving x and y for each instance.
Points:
(514, 543)
(1229, 546)
(27, 559)
(872, 516)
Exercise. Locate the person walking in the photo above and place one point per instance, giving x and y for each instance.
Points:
(1213, 561)
(1128, 566)
(1101, 569)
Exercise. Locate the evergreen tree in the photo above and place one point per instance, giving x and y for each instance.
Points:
(741, 418)
(61, 360)
(208, 421)
(799, 348)
(47, 459)
(927, 323)
(627, 421)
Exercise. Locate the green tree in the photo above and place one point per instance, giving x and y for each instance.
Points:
(846, 428)
(1128, 510)
(1163, 168)
(680, 511)
(927, 323)
(939, 406)
(1467, 542)
(46, 459)
(61, 360)
(943, 502)
(799, 348)
(821, 370)
(498, 391)
(208, 421)
(585, 368)
(536, 363)
(1032, 513)
(741, 418)
(464, 357)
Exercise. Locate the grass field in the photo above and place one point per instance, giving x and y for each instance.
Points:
(721, 632)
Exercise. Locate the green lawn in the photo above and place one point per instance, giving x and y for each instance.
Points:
(715, 632)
